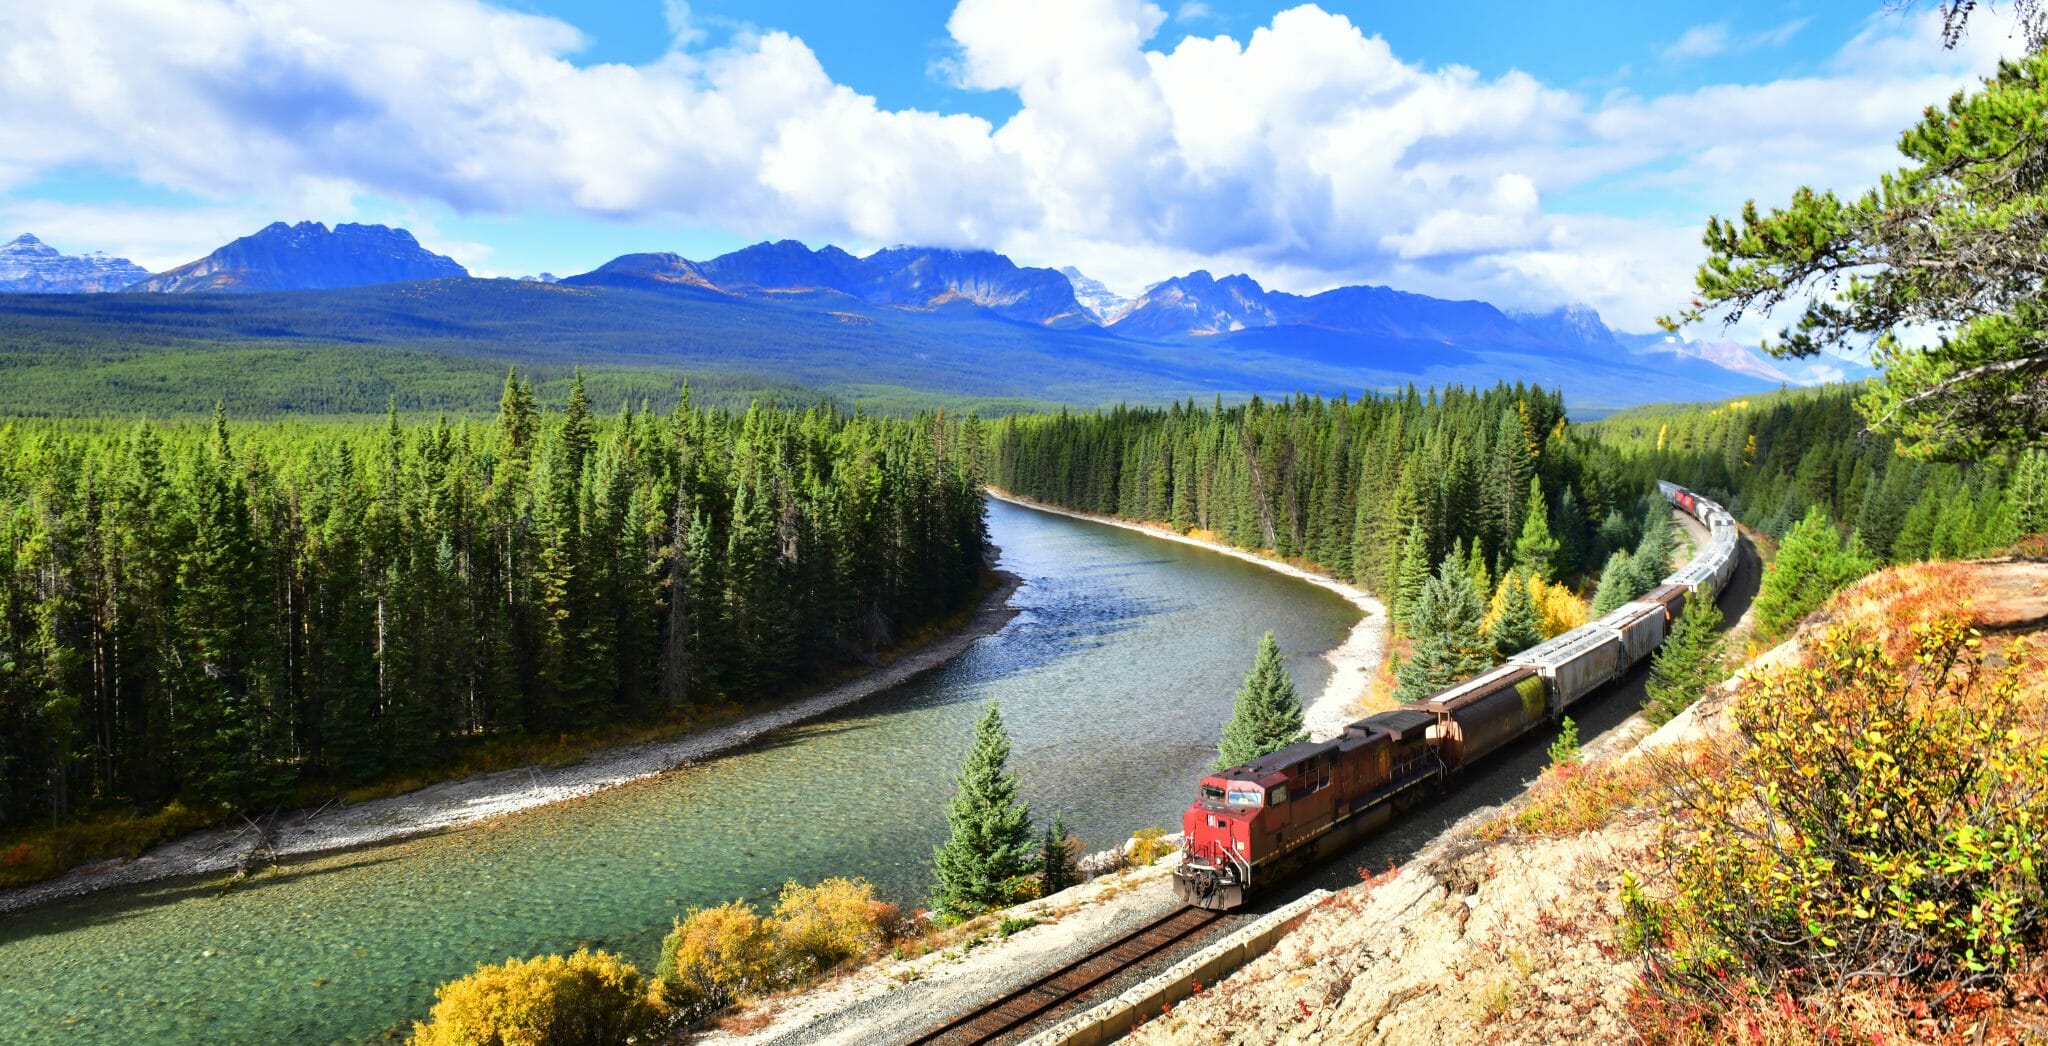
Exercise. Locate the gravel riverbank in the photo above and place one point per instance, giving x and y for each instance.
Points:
(1352, 662)
(454, 804)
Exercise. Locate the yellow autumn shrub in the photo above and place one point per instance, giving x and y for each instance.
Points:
(1148, 845)
(819, 927)
(586, 999)
(1882, 819)
(717, 956)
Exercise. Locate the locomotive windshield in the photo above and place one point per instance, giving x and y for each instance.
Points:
(1211, 793)
(1245, 797)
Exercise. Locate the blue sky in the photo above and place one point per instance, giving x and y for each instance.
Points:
(1526, 153)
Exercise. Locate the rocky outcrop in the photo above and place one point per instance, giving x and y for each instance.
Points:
(308, 256)
(1094, 295)
(915, 277)
(30, 266)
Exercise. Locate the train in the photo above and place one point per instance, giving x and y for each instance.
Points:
(1260, 823)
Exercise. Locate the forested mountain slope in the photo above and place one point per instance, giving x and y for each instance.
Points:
(443, 344)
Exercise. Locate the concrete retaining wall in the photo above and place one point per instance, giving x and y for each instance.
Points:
(1113, 1019)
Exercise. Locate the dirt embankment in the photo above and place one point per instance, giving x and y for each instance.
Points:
(454, 804)
(1347, 696)
(1509, 936)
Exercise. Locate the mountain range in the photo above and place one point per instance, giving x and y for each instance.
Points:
(914, 277)
(1191, 334)
(30, 266)
(308, 257)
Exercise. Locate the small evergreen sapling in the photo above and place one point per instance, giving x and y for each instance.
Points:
(991, 846)
(1564, 751)
(1266, 716)
(1058, 865)
(1616, 580)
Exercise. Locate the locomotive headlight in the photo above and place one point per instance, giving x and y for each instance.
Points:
(1240, 845)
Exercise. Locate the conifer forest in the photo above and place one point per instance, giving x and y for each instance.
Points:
(230, 613)
(1384, 490)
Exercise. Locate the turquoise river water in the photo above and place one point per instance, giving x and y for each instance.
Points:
(1115, 679)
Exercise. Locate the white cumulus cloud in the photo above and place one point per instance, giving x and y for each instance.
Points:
(1307, 152)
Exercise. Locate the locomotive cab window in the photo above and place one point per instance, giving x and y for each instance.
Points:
(1212, 794)
(1277, 796)
(1244, 797)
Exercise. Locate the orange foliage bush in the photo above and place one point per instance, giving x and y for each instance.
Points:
(1570, 798)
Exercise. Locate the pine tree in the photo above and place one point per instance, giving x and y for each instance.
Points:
(1475, 568)
(2030, 492)
(1536, 551)
(991, 846)
(1266, 716)
(1571, 534)
(1617, 583)
(1652, 559)
(1518, 625)
(216, 579)
(1059, 867)
(1411, 576)
(1812, 564)
(1450, 640)
(1688, 663)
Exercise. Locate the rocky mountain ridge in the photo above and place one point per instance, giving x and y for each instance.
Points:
(308, 256)
(914, 277)
(1094, 295)
(1346, 337)
(30, 266)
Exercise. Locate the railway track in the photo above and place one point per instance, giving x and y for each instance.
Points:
(1015, 1009)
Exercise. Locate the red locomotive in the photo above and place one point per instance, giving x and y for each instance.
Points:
(1259, 823)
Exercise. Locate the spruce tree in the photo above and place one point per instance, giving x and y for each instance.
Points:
(1571, 534)
(1688, 663)
(1519, 625)
(991, 846)
(1058, 866)
(1652, 560)
(1411, 576)
(1812, 564)
(1266, 715)
(1450, 639)
(1617, 583)
(1475, 568)
(2030, 492)
(1536, 551)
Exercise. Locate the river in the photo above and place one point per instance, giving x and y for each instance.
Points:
(1115, 679)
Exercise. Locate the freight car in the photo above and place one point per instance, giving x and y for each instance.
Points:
(1259, 823)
